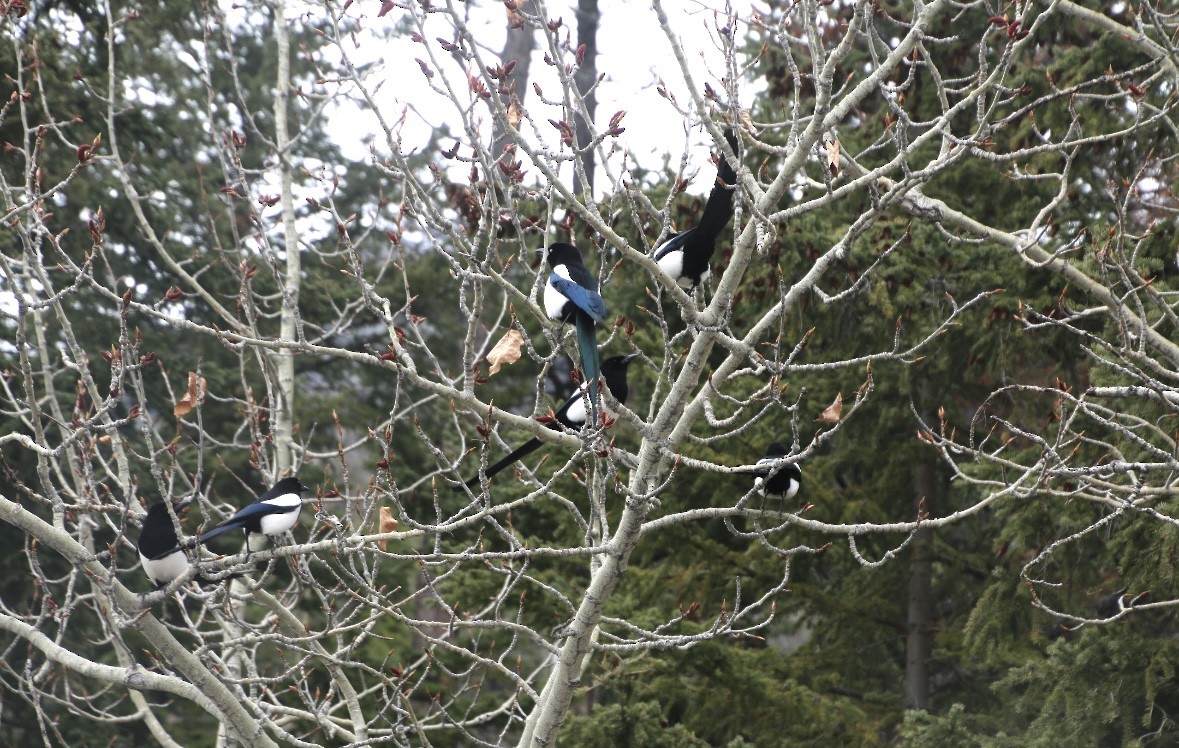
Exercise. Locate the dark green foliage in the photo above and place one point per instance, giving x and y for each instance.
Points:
(1017, 670)
(165, 132)
(826, 662)
(715, 694)
(628, 725)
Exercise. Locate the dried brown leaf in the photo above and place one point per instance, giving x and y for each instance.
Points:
(833, 411)
(515, 113)
(746, 121)
(506, 351)
(193, 397)
(386, 523)
(833, 156)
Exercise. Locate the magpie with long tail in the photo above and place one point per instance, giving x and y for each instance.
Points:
(160, 553)
(571, 415)
(772, 481)
(275, 512)
(571, 295)
(685, 256)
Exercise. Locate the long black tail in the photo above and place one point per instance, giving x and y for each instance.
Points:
(217, 532)
(719, 208)
(517, 454)
(591, 363)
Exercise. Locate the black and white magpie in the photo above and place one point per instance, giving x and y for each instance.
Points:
(776, 482)
(159, 549)
(275, 512)
(571, 414)
(685, 256)
(571, 295)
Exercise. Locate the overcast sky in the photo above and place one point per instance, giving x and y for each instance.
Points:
(634, 54)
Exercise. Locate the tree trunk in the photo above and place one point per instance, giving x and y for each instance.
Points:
(588, 17)
(919, 639)
(284, 421)
(518, 46)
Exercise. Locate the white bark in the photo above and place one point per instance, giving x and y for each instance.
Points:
(340, 675)
(284, 397)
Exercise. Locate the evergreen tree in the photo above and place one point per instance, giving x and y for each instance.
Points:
(948, 289)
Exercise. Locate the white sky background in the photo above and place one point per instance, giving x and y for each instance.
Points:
(633, 54)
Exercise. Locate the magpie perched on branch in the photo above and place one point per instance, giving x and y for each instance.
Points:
(571, 295)
(772, 481)
(685, 256)
(159, 549)
(275, 512)
(571, 414)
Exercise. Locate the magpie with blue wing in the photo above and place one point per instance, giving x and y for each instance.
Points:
(685, 256)
(159, 549)
(571, 415)
(571, 295)
(275, 512)
(774, 480)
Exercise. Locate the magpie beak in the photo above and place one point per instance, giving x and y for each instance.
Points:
(685, 256)
(572, 414)
(274, 513)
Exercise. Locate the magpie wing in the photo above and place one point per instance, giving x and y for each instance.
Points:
(585, 299)
(563, 415)
(242, 516)
(674, 242)
(170, 551)
(257, 509)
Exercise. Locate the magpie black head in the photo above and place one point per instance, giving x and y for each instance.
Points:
(614, 372)
(158, 534)
(777, 450)
(560, 253)
(284, 486)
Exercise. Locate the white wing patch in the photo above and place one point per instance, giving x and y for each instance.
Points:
(576, 412)
(554, 300)
(276, 524)
(672, 263)
(759, 483)
(164, 570)
(793, 489)
(285, 500)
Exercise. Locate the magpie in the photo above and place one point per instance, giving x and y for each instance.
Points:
(571, 295)
(776, 482)
(571, 414)
(275, 512)
(159, 548)
(685, 256)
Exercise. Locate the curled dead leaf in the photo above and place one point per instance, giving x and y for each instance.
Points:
(833, 156)
(515, 113)
(193, 397)
(746, 121)
(833, 411)
(386, 523)
(506, 351)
